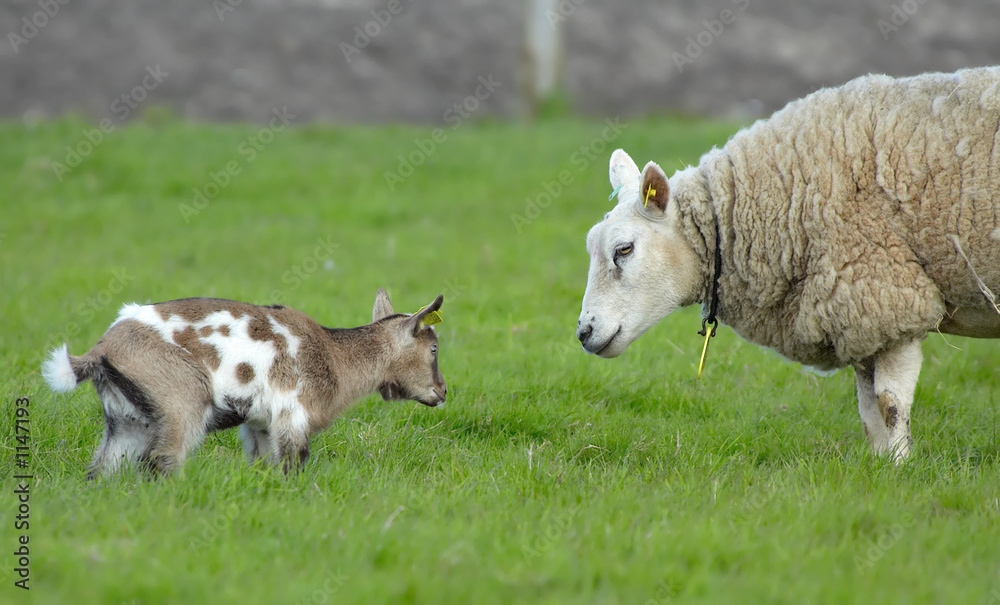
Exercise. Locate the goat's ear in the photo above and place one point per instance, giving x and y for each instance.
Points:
(383, 306)
(655, 192)
(413, 324)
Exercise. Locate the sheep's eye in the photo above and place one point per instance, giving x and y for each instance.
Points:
(434, 349)
(624, 250)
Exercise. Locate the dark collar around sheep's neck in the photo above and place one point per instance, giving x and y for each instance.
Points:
(713, 304)
(713, 301)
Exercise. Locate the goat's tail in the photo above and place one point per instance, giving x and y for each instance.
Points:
(63, 372)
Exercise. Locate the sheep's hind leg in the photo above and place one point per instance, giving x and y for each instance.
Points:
(871, 420)
(886, 384)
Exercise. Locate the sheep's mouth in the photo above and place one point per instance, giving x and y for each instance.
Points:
(429, 404)
(607, 344)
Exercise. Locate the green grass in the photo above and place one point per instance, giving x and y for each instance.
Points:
(551, 476)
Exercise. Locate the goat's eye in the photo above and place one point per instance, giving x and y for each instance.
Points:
(623, 250)
(434, 349)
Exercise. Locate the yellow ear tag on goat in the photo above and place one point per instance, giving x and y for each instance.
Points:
(649, 192)
(432, 318)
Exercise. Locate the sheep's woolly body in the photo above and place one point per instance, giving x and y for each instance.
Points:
(855, 218)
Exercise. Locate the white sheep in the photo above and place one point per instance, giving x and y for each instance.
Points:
(170, 372)
(838, 232)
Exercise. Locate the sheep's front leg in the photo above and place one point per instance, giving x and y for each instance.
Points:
(886, 383)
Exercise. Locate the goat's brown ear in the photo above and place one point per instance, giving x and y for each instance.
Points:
(655, 192)
(383, 306)
(413, 324)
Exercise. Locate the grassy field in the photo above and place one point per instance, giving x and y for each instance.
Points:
(551, 476)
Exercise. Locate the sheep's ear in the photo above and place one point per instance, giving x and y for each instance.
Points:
(623, 173)
(655, 192)
(383, 306)
(413, 324)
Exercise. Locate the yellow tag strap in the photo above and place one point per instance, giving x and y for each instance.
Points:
(432, 318)
(649, 192)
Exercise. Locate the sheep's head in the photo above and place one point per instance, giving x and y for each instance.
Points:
(413, 371)
(641, 268)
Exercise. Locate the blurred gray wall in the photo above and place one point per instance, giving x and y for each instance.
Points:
(414, 60)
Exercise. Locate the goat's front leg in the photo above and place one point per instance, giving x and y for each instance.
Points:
(886, 383)
(290, 436)
(256, 442)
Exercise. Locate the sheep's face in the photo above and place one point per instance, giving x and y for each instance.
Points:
(413, 371)
(641, 268)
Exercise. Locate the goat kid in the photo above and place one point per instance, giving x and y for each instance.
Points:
(170, 372)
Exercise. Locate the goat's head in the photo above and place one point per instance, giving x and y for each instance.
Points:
(641, 268)
(413, 371)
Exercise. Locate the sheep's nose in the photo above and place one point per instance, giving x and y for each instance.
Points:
(583, 333)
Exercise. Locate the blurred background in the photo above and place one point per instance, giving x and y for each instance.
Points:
(146, 157)
(412, 60)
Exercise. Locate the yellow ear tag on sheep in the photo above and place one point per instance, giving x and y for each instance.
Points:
(704, 351)
(709, 332)
(649, 192)
(432, 318)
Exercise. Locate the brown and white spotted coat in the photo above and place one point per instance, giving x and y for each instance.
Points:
(170, 372)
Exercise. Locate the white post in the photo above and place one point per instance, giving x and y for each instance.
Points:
(543, 41)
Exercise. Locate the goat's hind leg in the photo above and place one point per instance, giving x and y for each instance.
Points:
(156, 399)
(180, 428)
(165, 420)
(99, 463)
(127, 434)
